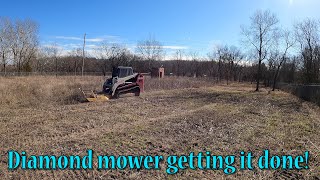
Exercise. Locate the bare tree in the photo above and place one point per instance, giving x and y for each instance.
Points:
(228, 60)
(196, 68)
(23, 43)
(53, 52)
(178, 56)
(76, 54)
(222, 55)
(234, 58)
(113, 55)
(285, 42)
(212, 64)
(83, 55)
(218, 54)
(151, 50)
(4, 42)
(42, 63)
(308, 38)
(260, 35)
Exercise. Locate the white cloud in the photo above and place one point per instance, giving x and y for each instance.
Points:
(67, 49)
(166, 47)
(73, 42)
(54, 45)
(89, 52)
(72, 46)
(78, 45)
(68, 38)
(91, 46)
(175, 47)
(51, 46)
(96, 39)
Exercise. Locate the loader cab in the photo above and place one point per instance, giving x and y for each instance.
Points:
(121, 71)
(123, 81)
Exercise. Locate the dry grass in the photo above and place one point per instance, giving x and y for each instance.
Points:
(40, 91)
(35, 91)
(169, 83)
(222, 119)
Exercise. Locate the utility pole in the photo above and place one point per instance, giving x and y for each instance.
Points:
(83, 55)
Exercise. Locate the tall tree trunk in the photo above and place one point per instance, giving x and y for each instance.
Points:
(258, 76)
(4, 64)
(219, 70)
(277, 73)
(275, 79)
(260, 59)
(56, 63)
(75, 67)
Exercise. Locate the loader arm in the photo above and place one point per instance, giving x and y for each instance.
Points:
(121, 81)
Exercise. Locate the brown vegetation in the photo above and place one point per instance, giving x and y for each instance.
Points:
(44, 90)
(35, 91)
(37, 117)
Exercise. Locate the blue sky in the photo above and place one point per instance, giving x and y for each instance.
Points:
(191, 25)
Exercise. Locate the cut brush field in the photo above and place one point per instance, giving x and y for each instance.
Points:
(175, 116)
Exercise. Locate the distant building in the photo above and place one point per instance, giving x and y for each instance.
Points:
(157, 72)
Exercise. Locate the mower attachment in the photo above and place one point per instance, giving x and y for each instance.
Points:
(91, 96)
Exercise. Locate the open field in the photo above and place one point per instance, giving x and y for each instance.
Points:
(42, 116)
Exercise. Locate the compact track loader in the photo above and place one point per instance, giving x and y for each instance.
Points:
(123, 81)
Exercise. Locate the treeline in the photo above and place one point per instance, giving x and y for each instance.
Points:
(268, 58)
(19, 43)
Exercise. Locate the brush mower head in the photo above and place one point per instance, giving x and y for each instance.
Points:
(98, 98)
(91, 96)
